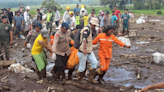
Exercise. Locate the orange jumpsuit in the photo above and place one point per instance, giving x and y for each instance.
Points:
(105, 51)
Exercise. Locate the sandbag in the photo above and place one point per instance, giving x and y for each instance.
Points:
(73, 58)
(126, 41)
(158, 57)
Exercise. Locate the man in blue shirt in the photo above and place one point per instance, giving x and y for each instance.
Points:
(77, 9)
(126, 22)
(114, 18)
(18, 23)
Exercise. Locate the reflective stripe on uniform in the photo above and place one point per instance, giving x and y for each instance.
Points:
(103, 39)
(106, 39)
(110, 40)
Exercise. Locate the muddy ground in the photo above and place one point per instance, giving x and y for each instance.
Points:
(130, 69)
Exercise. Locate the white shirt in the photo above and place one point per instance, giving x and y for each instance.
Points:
(65, 16)
(57, 15)
(73, 21)
(27, 17)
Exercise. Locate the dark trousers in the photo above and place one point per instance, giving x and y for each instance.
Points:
(6, 47)
(57, 23)
(60, 63)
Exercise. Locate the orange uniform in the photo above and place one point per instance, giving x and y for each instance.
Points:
(105, 51)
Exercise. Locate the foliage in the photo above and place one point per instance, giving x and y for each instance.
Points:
(159, 12)
(51, 4)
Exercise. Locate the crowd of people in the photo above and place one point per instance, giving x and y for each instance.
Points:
(72, 43)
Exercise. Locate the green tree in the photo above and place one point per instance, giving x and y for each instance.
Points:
(51, 4)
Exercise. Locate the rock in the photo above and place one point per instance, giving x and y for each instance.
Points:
(150, 51)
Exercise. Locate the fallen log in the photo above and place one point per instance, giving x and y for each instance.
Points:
(93, 88)
(4, 63)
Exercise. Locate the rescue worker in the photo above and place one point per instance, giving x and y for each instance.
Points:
(33, 34)
(86, 52)
(37, 53)
(61, 49)
(66, 15)
(105, 52)
(77, 18)
(27, 20)
(49, 20)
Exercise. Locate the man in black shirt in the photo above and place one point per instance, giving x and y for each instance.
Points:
(38, 10)
(10, 15)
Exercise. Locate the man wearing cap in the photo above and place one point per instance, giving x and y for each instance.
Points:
(107, 19)
(91, 16)
(27, 19)
(57, 17)
(86, 52)
(61, 48)
(38, 10)
(36, 20)
(37, 53)
(66, 16)
(6, 37)
(77, 9)
(49, 20)
(18, 23)
(10, 15)
(33, 34)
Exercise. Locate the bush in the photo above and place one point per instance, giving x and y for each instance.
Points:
(159, 12)
(157, 6)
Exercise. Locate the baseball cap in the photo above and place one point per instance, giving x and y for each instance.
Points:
(39, 25)
(44, 33)
(65, 25)
(94, 21)
(107, 12)
(102, 13)
(100, 10)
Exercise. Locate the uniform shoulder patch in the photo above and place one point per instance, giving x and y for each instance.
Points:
(85, 31)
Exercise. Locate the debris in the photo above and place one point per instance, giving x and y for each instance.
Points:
(22, 37)
(18, 68)
(93, 88)
(28, 45)
(4, 63)
(5, 88)
(158, 57)
(126, 41)
(138, 74)
(40, 82)
(142, 42)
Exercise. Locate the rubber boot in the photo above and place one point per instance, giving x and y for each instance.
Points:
(80, 77)
(92, 76)
(101, 81)
(70, 74)
(63, 77)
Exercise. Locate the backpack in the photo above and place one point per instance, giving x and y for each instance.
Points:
(77, 43)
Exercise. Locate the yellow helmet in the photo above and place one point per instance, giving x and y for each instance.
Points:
(82, 6)
(71, 12)
(67, 7)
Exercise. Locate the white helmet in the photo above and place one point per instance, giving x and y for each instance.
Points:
(28, 8)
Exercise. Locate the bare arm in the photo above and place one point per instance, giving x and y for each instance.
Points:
(155, 86)
(11, 37)
(45, 44)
